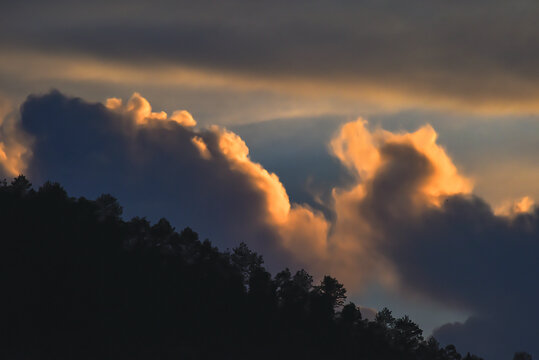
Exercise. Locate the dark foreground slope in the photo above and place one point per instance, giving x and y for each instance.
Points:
(78, 282)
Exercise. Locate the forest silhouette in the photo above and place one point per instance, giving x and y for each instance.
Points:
(79, 282)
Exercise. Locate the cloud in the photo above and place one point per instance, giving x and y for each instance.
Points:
(463, 255)
(15, 145)
(414, 211)
(408, 219)
(468, 56)
(162, 165)
(397, 175)
(516, 207)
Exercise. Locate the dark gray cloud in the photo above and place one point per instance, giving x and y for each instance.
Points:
(491, 259)
(470, 52)
(464, 254)
(460, 254)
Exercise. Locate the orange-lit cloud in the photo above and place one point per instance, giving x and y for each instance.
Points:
(236, 152)
(357, 230)
(513, 208)
(140, 110)
(15, 145)
(202, 147)
(299, 229)
(183, 117)
(360, 151)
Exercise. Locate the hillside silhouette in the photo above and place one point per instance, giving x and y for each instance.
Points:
(79, 282)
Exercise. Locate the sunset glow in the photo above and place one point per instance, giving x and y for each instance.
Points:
(391, 145)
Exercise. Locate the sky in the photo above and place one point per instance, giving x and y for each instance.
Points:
(391, 144)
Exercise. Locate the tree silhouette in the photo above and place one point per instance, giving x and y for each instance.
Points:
(351, 314)
(522, 356)
(385, 318)
(331, 289)
(80, 282)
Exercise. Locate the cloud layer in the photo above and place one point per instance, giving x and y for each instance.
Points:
(408, 219)
(478, 56)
